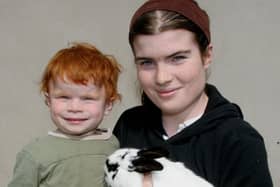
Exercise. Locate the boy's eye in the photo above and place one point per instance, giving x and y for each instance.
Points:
(62, 97)
(88, 98)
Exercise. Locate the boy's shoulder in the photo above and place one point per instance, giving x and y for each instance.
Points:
(51, 148)
(38, 148)
(39, 143)
(36, 151)
(34, 143)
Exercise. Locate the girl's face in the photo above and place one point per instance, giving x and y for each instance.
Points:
(76, 109)
(172, 71)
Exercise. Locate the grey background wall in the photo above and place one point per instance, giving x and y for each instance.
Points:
(245, 68)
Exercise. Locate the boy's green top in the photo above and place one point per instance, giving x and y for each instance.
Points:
(55, 161)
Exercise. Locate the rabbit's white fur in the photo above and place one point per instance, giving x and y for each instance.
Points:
(121, 171)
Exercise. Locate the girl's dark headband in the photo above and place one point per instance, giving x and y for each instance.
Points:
(188, 8)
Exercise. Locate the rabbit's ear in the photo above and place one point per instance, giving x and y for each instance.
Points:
(144, 165)
(152, 153)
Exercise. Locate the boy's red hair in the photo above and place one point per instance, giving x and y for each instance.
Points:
(82, 63)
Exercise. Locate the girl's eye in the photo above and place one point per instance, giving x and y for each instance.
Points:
(178, 58)
(145, 64)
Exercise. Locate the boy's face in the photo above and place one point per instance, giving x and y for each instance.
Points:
(76, 109)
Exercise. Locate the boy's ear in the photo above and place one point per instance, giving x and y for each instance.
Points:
(47, 99)
(144, 165)
(108, 107)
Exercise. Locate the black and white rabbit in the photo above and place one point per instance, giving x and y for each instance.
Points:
(125, 168)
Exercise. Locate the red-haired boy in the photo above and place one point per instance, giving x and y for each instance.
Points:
(80, 87)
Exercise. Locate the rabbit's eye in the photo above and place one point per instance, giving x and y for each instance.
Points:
(111, 167)
(124, 155)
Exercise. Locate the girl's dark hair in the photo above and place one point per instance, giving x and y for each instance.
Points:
(158, 21)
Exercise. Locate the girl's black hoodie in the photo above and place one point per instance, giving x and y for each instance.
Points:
(220, 146)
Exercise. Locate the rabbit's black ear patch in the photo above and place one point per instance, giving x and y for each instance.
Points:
(154, 152)
(112, 167)
(144, 165)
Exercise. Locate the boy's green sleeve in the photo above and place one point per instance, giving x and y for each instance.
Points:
(25, 171)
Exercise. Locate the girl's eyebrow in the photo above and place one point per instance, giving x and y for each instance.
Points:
(141, 58)
(185, 52)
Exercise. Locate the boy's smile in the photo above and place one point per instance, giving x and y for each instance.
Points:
(75, 121)
(76, 109)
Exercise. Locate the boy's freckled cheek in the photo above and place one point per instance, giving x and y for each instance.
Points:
(58, 106)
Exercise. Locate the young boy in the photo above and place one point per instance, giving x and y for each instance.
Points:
(80, 87)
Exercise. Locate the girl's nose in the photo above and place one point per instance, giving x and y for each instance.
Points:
(163, 75)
